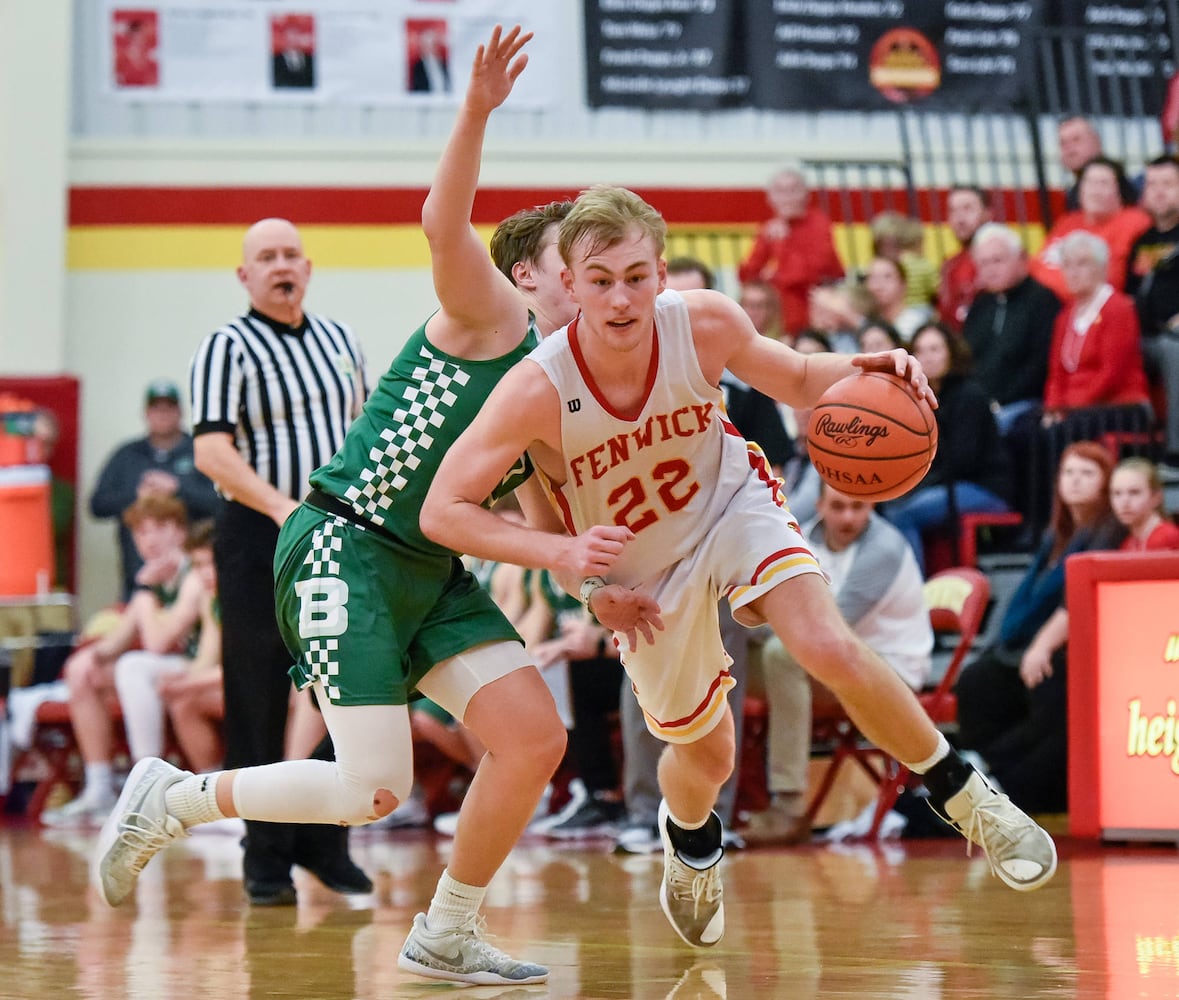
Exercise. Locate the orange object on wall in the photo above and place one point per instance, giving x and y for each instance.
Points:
(59, 394)
(1123, 680)
(26, 538)
(17, 444)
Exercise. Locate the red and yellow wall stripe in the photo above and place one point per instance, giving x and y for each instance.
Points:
(184, 228)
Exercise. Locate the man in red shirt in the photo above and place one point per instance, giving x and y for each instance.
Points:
(967, 208)
(794, 250)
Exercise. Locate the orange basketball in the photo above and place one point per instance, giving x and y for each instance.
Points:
(871, 436)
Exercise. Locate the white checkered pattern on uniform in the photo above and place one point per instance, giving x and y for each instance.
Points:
(322, 662)
(324, 542)
(321, 659)
(408, 435)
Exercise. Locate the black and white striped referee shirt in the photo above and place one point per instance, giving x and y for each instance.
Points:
(286, 394)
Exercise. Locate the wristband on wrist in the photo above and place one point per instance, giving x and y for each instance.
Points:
(588, 586)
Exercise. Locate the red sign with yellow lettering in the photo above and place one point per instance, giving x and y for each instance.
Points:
(1124, 695)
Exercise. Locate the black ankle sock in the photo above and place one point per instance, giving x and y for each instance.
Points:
(699, 843)
(946, 778)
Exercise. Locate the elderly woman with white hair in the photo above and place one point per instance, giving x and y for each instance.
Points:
(1096, 353)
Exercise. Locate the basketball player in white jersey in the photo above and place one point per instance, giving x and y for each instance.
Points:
(621, 414)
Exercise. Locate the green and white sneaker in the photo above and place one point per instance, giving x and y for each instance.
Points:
(691, 894)
(136, 830)
(461, 955)
(1018, 850)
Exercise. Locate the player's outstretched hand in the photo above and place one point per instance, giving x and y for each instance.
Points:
(900, 362)
(593, 552)
(496, 67)
(627, 611)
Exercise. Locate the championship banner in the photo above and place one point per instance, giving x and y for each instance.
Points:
(363, 52)
(864, 55)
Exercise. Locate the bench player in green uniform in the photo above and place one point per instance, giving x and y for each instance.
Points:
(375, 611)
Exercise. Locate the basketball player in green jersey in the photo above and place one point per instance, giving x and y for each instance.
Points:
(374, 611)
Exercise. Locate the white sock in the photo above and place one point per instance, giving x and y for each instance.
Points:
(193, 800)
(97, 781)
(687, 826)
(939, 754)
(454, 903)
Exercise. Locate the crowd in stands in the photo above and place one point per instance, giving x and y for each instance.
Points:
(1039, 361)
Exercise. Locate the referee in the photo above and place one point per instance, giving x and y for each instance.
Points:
(273, 393)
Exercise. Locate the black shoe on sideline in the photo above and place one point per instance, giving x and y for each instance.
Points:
(270, 893)
(340, 874)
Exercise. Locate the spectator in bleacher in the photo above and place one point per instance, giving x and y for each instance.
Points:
(1136, 495)
(887, 281)
(878, 589)
(1012, 699)
(1096, 354)
(177, 671)
(689, 272)
(1107, 209)
(876, 335)
(794, 250)
(972, 462)
(901, 238)
(1009, 325)
(812, 342)
(1152, 278)
(1095, 382)
(760, 301)
(158, 525)
(967, 209)
(1079, 143)
(836, 311)
(160, 463)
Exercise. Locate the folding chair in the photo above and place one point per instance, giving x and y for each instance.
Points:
(957, 599)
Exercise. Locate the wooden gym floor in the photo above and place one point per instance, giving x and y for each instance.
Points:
(907, 919)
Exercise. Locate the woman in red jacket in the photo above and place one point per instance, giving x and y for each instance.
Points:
(1096, 353)
(1109, 210)
(794, 251)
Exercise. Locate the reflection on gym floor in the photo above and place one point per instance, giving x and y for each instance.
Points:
(911, 919)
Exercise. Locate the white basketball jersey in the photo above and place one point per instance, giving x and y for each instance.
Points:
(669, 471)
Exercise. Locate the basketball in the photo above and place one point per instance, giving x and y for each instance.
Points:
(871, 436)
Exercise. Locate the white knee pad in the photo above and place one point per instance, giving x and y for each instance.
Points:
(374, 751)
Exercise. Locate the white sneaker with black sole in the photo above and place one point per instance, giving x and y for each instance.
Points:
(691, 894)
(1019, 850)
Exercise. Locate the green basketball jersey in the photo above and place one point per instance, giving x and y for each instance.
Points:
(418, 409)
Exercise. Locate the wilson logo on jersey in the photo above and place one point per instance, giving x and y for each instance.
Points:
(574, 405)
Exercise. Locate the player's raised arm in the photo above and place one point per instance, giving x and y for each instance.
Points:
(475, 297)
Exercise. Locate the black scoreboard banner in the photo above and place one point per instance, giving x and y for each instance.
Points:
(806, 55)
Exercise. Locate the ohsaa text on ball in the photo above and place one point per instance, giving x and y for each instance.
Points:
(833, 475)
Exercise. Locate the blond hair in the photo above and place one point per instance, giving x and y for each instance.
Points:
(604, 216)
(1146, 469)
